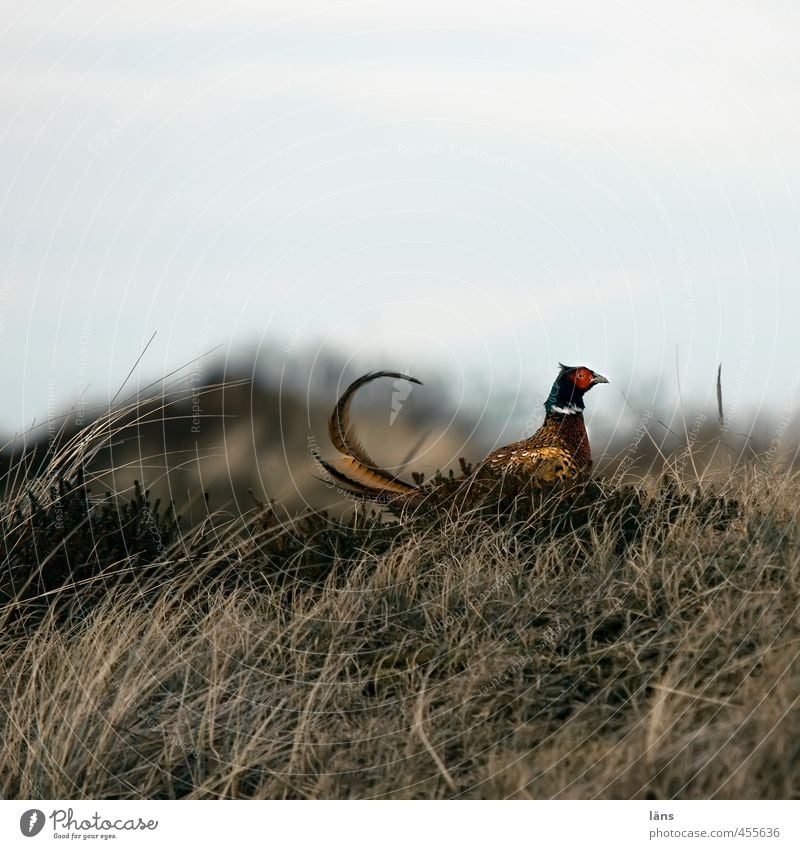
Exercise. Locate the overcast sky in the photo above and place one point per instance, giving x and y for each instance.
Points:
(487, 187)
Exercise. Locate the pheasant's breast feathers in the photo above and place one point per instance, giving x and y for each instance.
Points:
(558, 451)
(545, 463)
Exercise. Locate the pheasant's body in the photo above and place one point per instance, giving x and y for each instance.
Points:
(557, 452)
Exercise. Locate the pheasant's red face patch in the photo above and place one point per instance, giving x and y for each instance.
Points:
(582, 378)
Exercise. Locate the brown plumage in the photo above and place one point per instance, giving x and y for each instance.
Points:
(558, 451)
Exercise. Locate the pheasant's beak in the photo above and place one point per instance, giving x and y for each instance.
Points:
(598, 378)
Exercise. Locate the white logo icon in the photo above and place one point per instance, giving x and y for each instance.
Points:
(401, 391)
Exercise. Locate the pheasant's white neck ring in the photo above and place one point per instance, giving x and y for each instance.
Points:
(567, 410)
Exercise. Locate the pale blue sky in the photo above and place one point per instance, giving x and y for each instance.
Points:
(494, 187)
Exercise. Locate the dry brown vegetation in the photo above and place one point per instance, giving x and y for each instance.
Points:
(616, 641)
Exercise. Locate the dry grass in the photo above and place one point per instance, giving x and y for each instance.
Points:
(647, 650)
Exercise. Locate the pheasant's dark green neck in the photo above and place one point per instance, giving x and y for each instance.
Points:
(565, 398)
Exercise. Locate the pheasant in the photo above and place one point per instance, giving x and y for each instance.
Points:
(558, 451)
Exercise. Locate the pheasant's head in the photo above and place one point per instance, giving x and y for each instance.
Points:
(566, 396)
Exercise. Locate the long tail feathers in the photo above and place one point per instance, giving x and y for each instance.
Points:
(357, 471)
